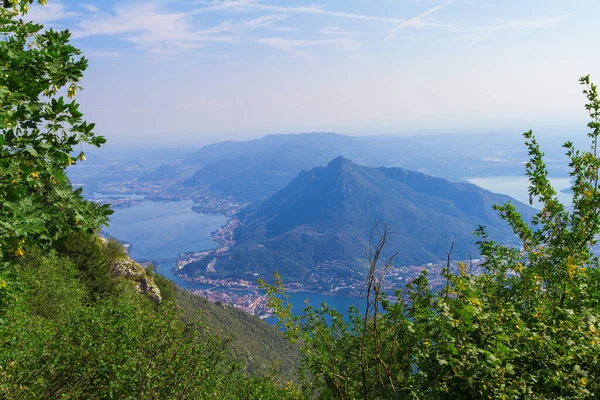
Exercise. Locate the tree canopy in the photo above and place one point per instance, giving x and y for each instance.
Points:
(42, 132)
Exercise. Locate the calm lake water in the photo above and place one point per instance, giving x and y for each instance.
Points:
(517, 187)
(160, 230)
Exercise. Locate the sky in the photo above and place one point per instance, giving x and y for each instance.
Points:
(191, 72)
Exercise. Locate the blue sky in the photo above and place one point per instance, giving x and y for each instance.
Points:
(190, 71)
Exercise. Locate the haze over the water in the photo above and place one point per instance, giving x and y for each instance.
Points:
(191, 71)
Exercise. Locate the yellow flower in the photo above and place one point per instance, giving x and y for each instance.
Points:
(571, 268)
(518, 268)
(35, 175)
(19, 252)
(462, 267)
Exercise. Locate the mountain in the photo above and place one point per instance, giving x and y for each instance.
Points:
(229, 150)
(266, 165)
(255, 177)
(163, 173)
(328, 213)
(254, 170)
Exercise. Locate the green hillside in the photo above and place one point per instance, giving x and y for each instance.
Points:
(259, 346)
(91, 323)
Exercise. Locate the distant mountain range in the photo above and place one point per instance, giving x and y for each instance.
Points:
(327, 213)
(259, 168)
(254, 170)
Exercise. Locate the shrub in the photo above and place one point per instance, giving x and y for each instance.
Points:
(526, 328)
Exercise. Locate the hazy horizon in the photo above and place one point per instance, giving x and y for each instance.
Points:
(192, 72)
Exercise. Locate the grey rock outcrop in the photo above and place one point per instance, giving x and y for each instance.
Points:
(128, 269)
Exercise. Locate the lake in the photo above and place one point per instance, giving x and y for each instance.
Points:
(161, 230)
(158, 230)
(517, 187)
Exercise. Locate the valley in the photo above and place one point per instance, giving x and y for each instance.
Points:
(180, 220)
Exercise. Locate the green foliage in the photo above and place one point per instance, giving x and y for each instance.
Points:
(39, 130)
(58, 342)
(166, 287)
(527, 328)
(51, 284)
(114, 250)
(116, 349)
(90, 258)
(254, 343)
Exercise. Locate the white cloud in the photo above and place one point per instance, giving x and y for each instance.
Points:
(284, 29)
(336, 30)
(534, 23)
(256, 5)
(517, 24)
(90, 7)
(295, 46)
(161, 32)
(50, 13)
(418, 22)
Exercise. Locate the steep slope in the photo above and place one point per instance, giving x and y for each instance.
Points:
(257, 344)
(327, 213)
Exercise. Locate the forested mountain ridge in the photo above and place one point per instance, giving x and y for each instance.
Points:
(258, 346)
(327, 213)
